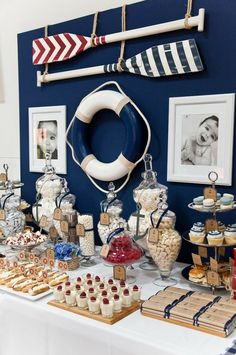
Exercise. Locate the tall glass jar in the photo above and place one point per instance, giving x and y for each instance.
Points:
(14, 219)
(113, 207)
(149, 196)
(48, 187)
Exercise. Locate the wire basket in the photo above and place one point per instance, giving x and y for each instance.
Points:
(74, 263)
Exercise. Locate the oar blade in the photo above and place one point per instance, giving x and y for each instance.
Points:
(58, 47)
(167, 59)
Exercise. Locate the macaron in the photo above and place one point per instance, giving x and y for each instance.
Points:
(198, 201)
(225, 202)
(208, 203)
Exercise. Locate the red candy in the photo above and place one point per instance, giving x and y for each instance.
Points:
(123, 251)
(105, 301)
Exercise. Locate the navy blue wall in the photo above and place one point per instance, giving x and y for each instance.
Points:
(217, 46)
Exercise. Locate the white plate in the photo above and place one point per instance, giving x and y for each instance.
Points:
(26, 296)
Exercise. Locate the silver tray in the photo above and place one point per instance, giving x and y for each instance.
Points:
(185, 273)
(212, 210)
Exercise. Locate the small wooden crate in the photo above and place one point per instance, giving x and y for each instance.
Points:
(74, 263)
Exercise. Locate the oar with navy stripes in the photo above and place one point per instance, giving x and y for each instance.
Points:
(167, 59)
(64, 46)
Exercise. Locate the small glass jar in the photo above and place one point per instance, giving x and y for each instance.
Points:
(14, 221)
(114, 208)
(48, 187)
(87, 245)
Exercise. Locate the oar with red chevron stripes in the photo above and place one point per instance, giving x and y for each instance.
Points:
(64, 46)
(163, 60)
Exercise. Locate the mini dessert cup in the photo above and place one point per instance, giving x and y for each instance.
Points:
(59, 294)
(107, 308)
(94, 305)
(136, 293)
(70, 298)
(215, 238)
(117, 301)
(104, 294)
(126, 298)
(91, 292)
(81, 301)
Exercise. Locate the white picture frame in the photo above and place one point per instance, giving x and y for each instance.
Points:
(47, 130)
(191, 156)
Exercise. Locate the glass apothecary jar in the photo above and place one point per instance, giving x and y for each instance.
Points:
(13, 219)
(113, 207)
(48, 187)
(164, 244)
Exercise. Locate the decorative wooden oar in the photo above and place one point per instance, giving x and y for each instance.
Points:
(163, 60)
(63, 46)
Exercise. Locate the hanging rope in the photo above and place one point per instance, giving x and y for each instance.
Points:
(188, 15)
(46, 65)
(122, 45)
(93, 34)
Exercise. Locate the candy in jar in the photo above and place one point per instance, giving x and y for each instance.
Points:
(87, 245)
(113, 208)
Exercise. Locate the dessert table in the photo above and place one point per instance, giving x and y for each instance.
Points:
(36, 328)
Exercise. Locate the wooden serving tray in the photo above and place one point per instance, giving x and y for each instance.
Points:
(116, 317)
(184, 324)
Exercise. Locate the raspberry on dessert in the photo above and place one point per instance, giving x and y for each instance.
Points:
(104, 293)
(126, 292)
(67, 283)
(89, 282)
(97, 278)
(93, 299)
(77, 287)
(91, 290)
(122, 283)
(68, 292)
(83, 295)
(114, 289)
(88, 276)
(116, 297)
(102, 286)
(135, 288)
(59, 288)
(105, 301)
(111, 282)
(79, 279)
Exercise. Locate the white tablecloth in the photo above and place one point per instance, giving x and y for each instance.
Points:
(35, 328)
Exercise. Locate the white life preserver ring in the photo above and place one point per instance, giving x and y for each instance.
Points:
(121, 105)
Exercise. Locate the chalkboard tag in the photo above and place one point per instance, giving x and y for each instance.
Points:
(202, 251)
(196, 259)
(214, 264)
(213, 278)
(104, 251)
(210, 192)
(153, 235)
(53, 232)
(2, 215)
(80, 231)
(211, 225)
(43, 222)
(104, 218)
(64, 227)
(57, 214)
(119, 272)
(3, 177)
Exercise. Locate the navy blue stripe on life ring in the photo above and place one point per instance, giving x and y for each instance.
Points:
(81, 139)
(133, 127)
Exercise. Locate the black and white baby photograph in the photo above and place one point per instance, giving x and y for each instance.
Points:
(199, 139)
(47, 139)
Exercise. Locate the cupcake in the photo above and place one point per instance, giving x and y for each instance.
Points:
(230, 234)
(208, 203)
(197, 234)
(198, 202)
(221, 226)
(215, 238)
(225, 202)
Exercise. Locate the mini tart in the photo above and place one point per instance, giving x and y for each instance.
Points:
(215, 238)
(208, 203)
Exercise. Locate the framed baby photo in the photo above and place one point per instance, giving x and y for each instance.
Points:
(47, 133)
(200, 138)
